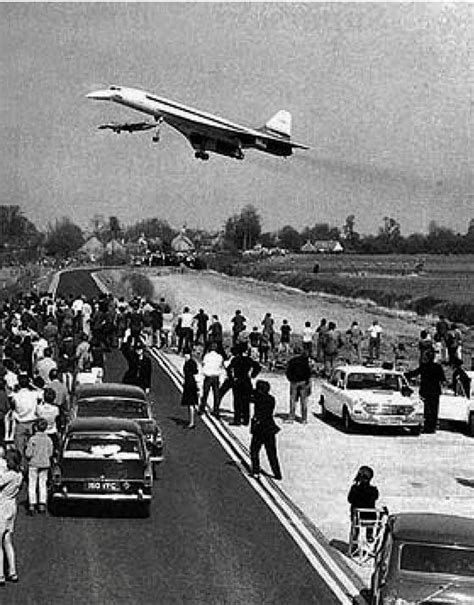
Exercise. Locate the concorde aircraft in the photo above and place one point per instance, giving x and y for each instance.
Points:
(118, 127)
(207, 132)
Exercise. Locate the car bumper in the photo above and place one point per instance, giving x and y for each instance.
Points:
(70, 497)
(372, 420)
(156, 458)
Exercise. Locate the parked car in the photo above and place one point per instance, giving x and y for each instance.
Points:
(362, 395)
(459, 407)
(425, 558)
(116, 400)
(103, 459)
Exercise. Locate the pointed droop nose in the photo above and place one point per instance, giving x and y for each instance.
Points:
(102, 95)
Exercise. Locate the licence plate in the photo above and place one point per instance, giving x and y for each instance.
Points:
(105, 486)
(390, 420)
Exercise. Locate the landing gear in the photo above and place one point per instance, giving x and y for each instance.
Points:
(239, 154)
(156, 136)
(201, 155)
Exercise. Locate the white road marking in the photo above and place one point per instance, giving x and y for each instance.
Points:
(334, 576)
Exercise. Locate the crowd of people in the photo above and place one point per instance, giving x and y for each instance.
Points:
(49, 345)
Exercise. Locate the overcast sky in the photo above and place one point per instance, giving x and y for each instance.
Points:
(382, 94)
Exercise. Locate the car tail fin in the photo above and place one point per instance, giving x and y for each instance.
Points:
(280, 124)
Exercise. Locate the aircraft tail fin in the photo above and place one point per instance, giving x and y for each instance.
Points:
(279, 124)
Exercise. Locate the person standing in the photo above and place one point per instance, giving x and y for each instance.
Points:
(201, 319)
(285, 335)
(189, 398)
(238, 325)
(10, 483)
(186, 337)
(425, 344)
(321, 332)
(4, 406)
(431, 378)
(308, 334)
(242, 370)
(332, 343)
(354, 339)
(215, 335)
(25, 402)
(375, 336)
(139, 365)
(269, 329)
(39, 451)
(298, 372)
(263, 430)
(212, 368)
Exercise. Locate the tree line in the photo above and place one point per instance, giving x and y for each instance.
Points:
(22, 240)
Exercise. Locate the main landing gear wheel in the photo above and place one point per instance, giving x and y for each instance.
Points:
(201, 155)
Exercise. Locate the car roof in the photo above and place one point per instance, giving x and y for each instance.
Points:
(110, 389)
(103, 425)
(433, 528)
(366, 369)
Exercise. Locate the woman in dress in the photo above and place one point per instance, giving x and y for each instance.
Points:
(190, 390)
(10, 483)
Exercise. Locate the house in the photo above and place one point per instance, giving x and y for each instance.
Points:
(331, 246)
(308, 248)
(115, 248)
(93, 249)
(182, 244)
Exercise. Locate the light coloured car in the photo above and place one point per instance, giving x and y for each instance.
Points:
(459, 407)
(361, 395)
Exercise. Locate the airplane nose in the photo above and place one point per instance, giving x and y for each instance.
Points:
(101, 95)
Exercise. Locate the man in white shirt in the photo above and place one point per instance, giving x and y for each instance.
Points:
(45, 365)
(25, 403)
(212, 369)
(374, 333)
(186, 335)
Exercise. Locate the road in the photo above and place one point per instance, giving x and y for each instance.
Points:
(210, 538)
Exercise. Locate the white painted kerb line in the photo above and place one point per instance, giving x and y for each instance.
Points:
(335, 577)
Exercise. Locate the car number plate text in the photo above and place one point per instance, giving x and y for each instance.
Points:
(106, 486)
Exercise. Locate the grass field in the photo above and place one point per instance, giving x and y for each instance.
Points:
(444, 284)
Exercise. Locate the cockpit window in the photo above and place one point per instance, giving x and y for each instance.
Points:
(115, 88)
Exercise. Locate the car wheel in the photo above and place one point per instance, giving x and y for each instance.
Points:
(324, 412)
(349, 425)
(56, 508)
(143, 510)
(470, 425)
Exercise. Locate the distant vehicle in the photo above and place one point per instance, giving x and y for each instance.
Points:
(360, 395)
(129, 127)
(102, 459)
(458, 407)
(425, 558)
(207, 132)
(117, 400)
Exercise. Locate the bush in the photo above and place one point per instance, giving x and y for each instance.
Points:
(136, 284)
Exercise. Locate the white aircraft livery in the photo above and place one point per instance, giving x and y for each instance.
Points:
(206, 132)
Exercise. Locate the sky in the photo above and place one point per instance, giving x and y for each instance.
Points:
(382, 93)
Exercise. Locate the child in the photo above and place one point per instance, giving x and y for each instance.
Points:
(39, 450)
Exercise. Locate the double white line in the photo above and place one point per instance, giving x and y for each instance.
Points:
(292, 519)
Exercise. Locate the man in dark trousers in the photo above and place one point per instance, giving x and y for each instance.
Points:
(242, 369)
(431, 378)
(264, 430)
(139, 365)
(201, 319)
(298, 372)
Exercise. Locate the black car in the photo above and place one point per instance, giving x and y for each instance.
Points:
(103, 459)
(116, 400)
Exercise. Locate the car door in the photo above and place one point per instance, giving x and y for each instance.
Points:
(333, 400)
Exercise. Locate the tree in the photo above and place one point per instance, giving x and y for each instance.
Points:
(289, 238)
(14, 227)
(64, 238)
(152, 228)
(351, 236)
(320, 231)
(243, 230)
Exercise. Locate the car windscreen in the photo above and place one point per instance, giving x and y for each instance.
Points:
(374, 381)
(102, 447)
(434, 559)
(119, 408)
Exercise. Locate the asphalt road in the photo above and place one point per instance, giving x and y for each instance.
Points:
(210, 539)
